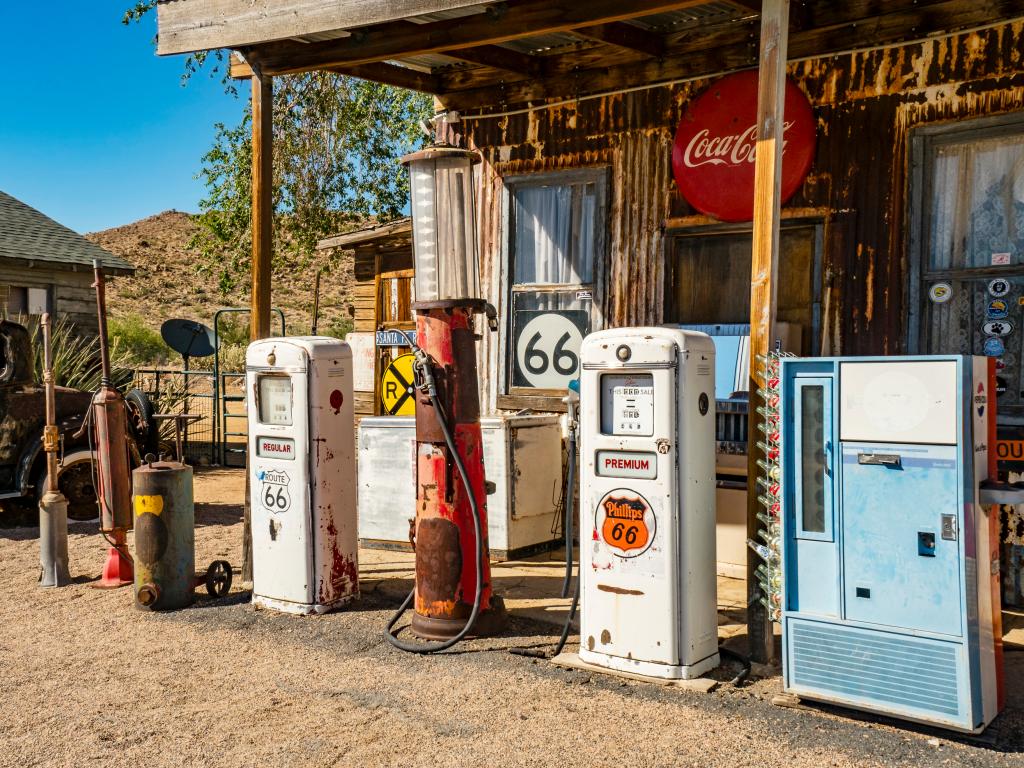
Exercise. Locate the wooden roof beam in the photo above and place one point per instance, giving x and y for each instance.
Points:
(496, 57)
(379, 72)
(626, 36)
(502, 22)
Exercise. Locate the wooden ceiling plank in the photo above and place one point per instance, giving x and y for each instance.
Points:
(719, 59)
(502, 23)
(720, 35)
(625, 36)
(908, 20)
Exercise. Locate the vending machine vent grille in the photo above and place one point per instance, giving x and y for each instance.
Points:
(897, 671)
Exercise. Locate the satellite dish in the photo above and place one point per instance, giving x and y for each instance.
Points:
(188, 338)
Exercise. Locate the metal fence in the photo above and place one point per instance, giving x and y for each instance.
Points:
(216, 439)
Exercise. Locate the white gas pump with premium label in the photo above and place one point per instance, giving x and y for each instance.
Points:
(647, 517)
(303, 474)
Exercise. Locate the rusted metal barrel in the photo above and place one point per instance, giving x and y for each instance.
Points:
(445, 541)
(165, 560)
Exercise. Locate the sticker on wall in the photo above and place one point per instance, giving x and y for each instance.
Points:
(997, 309)
(1000, 363)
(584, 295)
(940, 293)
(625, 522)
(997, 328)
(1000, 259)
(998, 287)
(994, 347)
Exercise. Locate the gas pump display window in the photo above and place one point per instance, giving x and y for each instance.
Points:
(275, 400)
(627, 404)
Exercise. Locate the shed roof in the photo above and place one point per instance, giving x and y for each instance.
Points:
(32, 237)
(397, 228)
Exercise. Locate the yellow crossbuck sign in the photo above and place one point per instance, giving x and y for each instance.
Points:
(397, 390)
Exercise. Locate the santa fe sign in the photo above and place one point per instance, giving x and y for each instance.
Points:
(713, 155)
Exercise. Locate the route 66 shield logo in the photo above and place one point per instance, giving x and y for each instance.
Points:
(625, 522)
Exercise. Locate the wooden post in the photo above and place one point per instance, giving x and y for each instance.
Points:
(262, 205)
(262, 246)
(763, 280)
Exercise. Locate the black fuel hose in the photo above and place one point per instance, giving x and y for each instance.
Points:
(570, 496)
(736, 656)
(423, 364)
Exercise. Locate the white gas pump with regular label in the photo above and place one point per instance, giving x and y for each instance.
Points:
(303, 473)
(647, 517)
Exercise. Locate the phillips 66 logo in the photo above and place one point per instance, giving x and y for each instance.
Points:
(625, 522)
(273, 491)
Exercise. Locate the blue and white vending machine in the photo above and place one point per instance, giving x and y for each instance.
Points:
(890, 593)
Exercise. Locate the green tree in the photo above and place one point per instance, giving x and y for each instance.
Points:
(337, 140)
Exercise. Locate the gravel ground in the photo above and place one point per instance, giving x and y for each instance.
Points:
(89, 680)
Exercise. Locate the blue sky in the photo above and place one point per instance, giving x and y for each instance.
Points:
(95, 129)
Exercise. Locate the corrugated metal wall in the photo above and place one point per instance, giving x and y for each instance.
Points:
(866, 104)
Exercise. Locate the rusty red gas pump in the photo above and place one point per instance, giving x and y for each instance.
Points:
(113, 470)
(452, 595)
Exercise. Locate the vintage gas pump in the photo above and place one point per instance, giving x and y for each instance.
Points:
(113, 470)
(452, 592)
(303, 486)
(647, 502)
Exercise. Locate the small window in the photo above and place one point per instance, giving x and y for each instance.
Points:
(25, 301)
(556, 243)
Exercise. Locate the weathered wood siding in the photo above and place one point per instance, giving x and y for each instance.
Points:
(866, 104)
(72, 292)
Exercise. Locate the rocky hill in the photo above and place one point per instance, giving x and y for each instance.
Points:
(167, 284)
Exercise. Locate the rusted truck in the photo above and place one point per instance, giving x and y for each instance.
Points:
(22, 415)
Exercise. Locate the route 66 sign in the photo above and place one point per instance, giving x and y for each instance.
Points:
(546, 347)
(274, 494)
(626, 522)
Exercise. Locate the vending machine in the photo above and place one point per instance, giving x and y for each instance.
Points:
(647, 510)
(303, 473)
(890, 591)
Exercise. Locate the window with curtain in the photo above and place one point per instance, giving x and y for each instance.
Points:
(556, 240)
(971, 289)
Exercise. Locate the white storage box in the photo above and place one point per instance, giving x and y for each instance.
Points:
(522, 457)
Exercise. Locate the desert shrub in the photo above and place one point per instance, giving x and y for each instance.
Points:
(232, 357)
(338, 327)
(233, 331)
(140, 343)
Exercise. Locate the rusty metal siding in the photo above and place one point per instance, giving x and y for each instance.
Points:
(866, 104)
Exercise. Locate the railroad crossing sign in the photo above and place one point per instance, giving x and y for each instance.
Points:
(397, 387)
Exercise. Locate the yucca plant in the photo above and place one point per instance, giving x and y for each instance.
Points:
(76, 358)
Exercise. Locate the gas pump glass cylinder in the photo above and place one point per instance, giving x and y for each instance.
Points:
(443, 225)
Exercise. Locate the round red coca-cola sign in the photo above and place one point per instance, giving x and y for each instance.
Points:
(713, 155)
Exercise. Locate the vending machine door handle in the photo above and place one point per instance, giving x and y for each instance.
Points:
(880, 459)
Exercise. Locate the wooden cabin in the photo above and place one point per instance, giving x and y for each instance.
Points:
(46, 267)
(382, 299)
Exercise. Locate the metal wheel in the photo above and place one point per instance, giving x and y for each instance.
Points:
(218, 578)
(75, 481)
